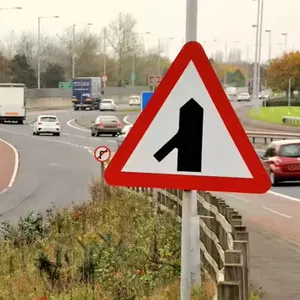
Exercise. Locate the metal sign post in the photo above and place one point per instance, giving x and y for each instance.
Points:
(102, 154)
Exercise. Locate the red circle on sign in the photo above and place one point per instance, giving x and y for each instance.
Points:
(106, 151)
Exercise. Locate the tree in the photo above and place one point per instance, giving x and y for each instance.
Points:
(22, 72)
(236, 78)
(5, 70)
(52, 76)
(281, 69)
(123, 39)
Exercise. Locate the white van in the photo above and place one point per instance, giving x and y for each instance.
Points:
(231, 91)
(12, 102)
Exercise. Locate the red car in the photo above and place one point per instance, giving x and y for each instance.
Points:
(283, 157)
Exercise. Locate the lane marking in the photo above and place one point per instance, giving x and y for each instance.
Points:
(75, 127)
(238, 198)
(277, 212)
(126, 121)
(42, 138)
(284, 196)
(16, 166)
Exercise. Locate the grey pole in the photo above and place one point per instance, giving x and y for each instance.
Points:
(104, 57)
(39, 53)
(255, 88)
(260, 45)
(226, 61)
(73, 50)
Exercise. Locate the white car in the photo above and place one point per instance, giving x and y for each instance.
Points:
(243, 97)
(108, 104)
(134, 100)
(123, 134)
(46, 124)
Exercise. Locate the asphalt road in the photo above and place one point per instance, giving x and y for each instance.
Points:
(52, 169)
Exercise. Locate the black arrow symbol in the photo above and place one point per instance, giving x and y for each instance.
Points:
(188, 139)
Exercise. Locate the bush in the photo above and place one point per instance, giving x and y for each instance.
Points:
(112, 248)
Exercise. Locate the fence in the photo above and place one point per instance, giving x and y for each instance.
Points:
(293, 121)
(258, 137)
(224, 240)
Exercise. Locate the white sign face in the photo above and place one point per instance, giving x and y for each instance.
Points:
(220, 156)
(102, 154)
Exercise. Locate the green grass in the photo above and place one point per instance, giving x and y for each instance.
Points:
(113, 247)
(138, 109)
(274, 114)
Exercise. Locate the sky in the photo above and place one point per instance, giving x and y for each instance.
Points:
(218, 21)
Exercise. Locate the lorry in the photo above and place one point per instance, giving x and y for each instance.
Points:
(86, 93)
(12, 102)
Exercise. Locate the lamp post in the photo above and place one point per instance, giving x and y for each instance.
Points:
(159, 53)
(73, 45)
(226, 60)
(39, 46)
(269, 31)
(285, 41)
(133, 60)
(6, 8)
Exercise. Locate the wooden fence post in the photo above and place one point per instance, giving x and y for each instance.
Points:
(231, 288)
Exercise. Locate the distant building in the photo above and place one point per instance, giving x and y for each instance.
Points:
(219, 56)
(235, 56)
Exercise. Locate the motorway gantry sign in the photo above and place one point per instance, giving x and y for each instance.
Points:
(188, 136)
(65, 84)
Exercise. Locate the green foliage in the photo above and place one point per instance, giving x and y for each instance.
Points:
(236, 78)
(114, 247)
(22, 72)
(283, 101)
(52, 76)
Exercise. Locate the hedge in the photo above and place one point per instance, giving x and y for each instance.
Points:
(282, 101)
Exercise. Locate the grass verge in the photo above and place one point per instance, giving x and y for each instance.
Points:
(113, 247)
(274, 114)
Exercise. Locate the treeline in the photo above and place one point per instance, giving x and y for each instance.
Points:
(115, 46)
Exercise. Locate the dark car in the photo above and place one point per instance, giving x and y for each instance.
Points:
(283, 157)
(106, 125)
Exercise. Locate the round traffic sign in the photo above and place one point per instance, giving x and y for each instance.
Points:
(104, 78)
(102, 154)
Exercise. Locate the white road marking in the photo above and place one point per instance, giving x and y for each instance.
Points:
(126, 121)
(76, 127)
(277, 212)
(16, 167)
(284, 196)
(44, 138)
(238, 198)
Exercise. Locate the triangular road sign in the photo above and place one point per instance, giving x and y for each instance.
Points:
(189, 137)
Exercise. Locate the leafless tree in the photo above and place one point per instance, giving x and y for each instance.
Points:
(123, 40)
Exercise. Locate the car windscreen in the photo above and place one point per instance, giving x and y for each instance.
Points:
(106, 101)
(292, 150)
(48, 119)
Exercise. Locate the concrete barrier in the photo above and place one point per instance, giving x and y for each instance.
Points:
(293, 121)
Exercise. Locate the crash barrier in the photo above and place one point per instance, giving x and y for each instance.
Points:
(224, 240)
(265, 138)
(293, 121)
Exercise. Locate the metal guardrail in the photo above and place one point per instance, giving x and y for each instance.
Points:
(263, 137)
(290, 120)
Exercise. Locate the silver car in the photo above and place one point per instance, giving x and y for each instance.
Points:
(107, 104)
(122, 135)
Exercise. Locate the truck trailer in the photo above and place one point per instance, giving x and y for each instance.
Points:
(12, 102)
(86, 93)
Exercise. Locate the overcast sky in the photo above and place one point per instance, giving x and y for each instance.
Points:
(224, 20)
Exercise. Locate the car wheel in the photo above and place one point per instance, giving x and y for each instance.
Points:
(37, 133)
(92, 133)
(274, 179)
(33, 132)
(114, 134)
(98, 134)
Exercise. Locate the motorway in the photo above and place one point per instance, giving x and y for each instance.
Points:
(58, 170)
(52, 169)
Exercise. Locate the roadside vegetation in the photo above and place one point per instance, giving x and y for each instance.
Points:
(274, 114)
(113, 248)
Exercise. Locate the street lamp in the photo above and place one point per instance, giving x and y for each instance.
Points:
(73, 46)
(226, 60)
(39, 46)
(269, 31)
(159, 52)
(133, 59)
(285, 41)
